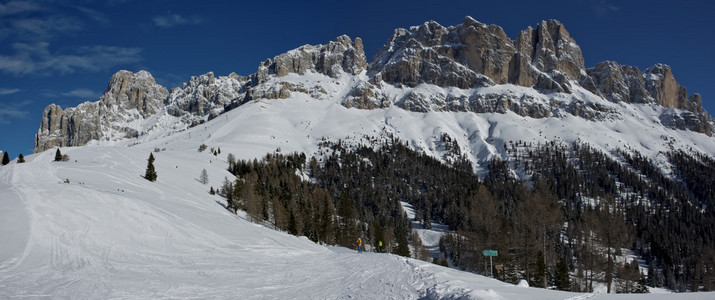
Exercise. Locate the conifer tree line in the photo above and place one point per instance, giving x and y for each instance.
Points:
(562, 224)
(270, 191)
(625, 201)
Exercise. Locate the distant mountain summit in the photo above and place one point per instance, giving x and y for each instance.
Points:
(470, 67)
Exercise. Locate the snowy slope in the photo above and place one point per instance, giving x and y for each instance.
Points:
(299, 122)
(111, 234)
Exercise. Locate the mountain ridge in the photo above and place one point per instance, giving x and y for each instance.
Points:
(473, 67)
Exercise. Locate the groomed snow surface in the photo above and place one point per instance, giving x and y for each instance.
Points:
(109, 233)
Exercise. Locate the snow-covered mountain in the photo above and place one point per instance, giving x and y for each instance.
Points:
(470, 81)
(91, 227)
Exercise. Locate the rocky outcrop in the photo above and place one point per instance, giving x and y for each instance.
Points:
(470, 67)
(133, 91)
(128, 97)
(619, 83)
(473, 54)
(341, 55)
(656, 85)
(205, 95)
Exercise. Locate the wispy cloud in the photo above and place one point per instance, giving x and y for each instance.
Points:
(603, 7)
(43, 28)
(173, 20)
(17, 7)
(93, 14)
(36, 58)
(4, 91)
(82, 93)
(14, 111)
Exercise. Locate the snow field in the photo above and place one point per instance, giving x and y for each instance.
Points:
(111, 234)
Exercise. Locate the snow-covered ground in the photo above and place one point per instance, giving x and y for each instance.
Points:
(109, 233)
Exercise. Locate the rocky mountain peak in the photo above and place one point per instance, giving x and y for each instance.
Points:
(127, 90)
(555, 50)
(128, 97)
(340, 55)
(205, 95)
(473, 54)
(469, 67)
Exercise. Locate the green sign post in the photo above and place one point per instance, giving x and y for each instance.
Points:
(489, 253)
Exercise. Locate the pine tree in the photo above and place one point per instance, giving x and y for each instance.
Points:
(58, 155)
(402, 244)
(20, 159)
(539, 275)
(212, 191)
(5, 159)
(204, 177)
(150, 171)
(563, 281)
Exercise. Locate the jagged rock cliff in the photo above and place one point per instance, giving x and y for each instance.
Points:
(473, 54)
(129, 97)
(205, 95)
(341, 55)
(473, 67)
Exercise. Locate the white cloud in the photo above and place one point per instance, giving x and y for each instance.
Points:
(16, 7)
(172, 20)
(603, 7)
(38, 28)
(36, 58)
(82, 93)
(13, 111)
(95, 15)
(4, 91)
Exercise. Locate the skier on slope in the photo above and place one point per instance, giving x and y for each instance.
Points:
(359, 244)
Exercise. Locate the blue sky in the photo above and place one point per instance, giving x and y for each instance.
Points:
(64, 52)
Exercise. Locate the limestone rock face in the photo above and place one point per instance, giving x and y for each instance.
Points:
(341, 55)
(619, 83)
(129, 96)
(468, 55)
(551, 48)
(127, 90)
(473, 54)
(205, 95)
(656, 85)
(661, 84)
(470, 67)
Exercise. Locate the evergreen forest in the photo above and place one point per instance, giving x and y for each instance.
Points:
(560, 215)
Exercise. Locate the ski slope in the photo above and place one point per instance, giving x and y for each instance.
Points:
(111, 234)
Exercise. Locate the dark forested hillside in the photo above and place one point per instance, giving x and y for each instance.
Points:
(560, 215)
